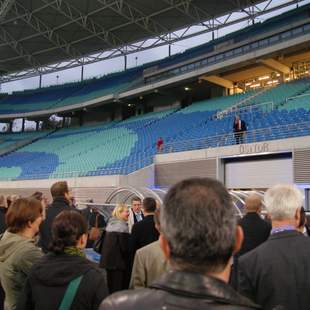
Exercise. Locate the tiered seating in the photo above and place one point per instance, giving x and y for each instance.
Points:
(300, 101)
(279, 94)
(123, 147)
(74, 93)
(9, 140)
(82, 151)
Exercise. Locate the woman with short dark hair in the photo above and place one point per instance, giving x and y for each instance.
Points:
(64, 266)
(17, 249)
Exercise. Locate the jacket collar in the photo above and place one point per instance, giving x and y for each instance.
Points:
(194, 285)
(285, 234)
(60, 201)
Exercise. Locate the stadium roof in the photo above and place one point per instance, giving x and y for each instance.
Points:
(41, 36)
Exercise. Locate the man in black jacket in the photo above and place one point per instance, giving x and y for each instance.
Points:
(239, 129)
(61, 201)
(277, 273)
(144, 232)
(255, 229)
(198, 235)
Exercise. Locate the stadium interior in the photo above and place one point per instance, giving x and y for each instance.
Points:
(105, 145)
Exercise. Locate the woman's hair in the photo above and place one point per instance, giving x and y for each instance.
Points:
(21, 212)
(67, 229)
(37, 195)
(3, 202)
(118, 210)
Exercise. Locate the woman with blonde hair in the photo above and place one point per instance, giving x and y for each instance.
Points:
(115, 256)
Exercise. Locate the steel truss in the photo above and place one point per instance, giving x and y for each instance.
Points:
(158, 34)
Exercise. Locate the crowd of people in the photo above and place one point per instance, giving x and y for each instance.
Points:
(191, 253)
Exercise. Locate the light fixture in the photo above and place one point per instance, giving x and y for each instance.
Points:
(186, 88)
(262, 78)
(255, 85)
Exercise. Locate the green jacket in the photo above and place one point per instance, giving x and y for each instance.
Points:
(17, 255)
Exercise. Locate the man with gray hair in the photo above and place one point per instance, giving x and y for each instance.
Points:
(198, 236)
(277, 273)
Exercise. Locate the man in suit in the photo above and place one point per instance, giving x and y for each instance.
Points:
(135, 212)
(149, 263)
(144, 232)
(61, 201)
(255, 229)
(239, 129)
(277, 273)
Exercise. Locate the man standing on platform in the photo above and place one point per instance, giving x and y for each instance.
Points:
(239, 130)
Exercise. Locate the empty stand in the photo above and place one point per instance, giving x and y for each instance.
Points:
(125, 146)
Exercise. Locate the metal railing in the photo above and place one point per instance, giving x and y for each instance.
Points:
(297, 97)
(243, 104)
(250, 136)
(264, 107)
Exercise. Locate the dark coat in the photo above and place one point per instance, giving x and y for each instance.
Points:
(59, 204)
(255, 231)
(115, 258)
(49, 278)
(278, 272)
(180, 290)
(243, 127)
(2, 219)
(143, 233)
(115, 251)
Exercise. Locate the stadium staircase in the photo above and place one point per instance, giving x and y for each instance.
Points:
(241, 104)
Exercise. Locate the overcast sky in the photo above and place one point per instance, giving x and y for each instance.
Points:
(117, 64)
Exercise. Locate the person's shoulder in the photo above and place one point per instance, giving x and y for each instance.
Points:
(133, 299)
(149, 249)
(254, 255)
(137, 226)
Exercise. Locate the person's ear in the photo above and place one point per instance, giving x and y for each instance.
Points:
(82, 241)
(29, 224)
(164, 244)
(297, 217)
(238, 239)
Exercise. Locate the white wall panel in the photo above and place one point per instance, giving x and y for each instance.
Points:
(258, 173)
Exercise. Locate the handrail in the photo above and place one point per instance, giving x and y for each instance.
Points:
(298, 96)
(242, 103)
(251, 136)
(245, 109)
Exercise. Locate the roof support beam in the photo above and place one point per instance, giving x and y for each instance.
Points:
(19, 49)
(87, 23)
(5, 7)
(38, 25)
(135, 16)
(215, 79)
(109, 51)
(276, 65)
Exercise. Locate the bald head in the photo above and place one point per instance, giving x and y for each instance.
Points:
(253, 203)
